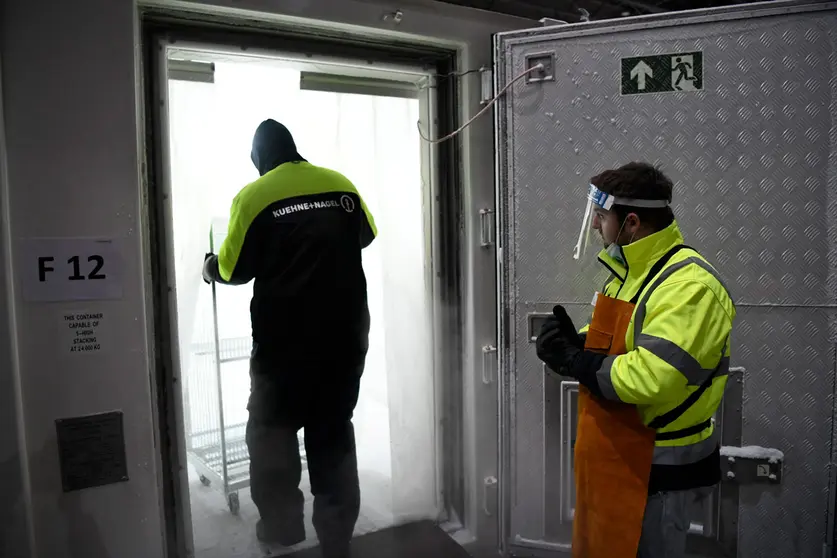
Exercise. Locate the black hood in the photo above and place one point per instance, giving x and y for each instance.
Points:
(273, 145)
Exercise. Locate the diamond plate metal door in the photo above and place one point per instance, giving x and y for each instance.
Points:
(754, 159)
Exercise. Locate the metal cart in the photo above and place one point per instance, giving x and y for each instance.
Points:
(215, 422)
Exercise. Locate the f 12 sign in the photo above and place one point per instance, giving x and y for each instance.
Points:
(64, 269)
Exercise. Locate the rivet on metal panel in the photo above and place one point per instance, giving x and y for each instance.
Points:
(547, 73)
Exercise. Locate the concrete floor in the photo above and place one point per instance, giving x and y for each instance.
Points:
(219, 534)
(420, 539)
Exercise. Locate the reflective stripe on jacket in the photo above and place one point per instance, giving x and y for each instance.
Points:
(679, 335)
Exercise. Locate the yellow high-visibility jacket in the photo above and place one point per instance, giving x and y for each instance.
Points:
(678, 337)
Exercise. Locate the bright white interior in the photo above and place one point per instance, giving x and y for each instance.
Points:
(373, 141)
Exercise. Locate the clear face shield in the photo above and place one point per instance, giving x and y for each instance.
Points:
(596, 199)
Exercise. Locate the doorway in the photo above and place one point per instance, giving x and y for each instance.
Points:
(362, 123)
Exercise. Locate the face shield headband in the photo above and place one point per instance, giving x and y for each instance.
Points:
(598, 199)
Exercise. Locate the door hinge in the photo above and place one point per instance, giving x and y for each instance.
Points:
(826, 550)
(489, 495)
(486, 227)
(486, 85)
(488, 369)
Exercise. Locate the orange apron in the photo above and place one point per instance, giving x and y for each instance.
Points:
(613, 453)
(613, 448)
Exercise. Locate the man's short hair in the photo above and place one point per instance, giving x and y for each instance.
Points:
(641, 181)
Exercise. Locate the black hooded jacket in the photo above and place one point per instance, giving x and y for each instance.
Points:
(273, 145)
(298, 231)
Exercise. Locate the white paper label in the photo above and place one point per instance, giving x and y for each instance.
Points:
(65, 269)
(84, 332)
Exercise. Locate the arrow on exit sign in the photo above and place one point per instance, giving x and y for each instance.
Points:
(640, 72)
(662, 73)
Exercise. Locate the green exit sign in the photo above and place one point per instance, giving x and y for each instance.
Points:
(662, 73)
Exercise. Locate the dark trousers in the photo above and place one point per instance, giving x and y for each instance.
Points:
(321, 402)
(276, 471)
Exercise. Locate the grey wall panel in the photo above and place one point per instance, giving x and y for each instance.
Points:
(788, 402)
(753, 158)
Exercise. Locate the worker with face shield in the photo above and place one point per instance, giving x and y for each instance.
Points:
(297, 232)
(651, 365)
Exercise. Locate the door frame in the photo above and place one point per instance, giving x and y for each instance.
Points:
(159, 27)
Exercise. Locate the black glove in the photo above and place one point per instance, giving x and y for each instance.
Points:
(558, 342)
(207, 276)
(561, 348)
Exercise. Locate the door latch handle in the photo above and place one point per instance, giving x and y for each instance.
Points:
(486, 227)
(487, 369)
(489, 495)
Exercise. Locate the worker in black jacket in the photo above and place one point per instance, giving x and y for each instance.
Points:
(298, 231)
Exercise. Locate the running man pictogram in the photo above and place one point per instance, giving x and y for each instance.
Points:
(682, 73)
